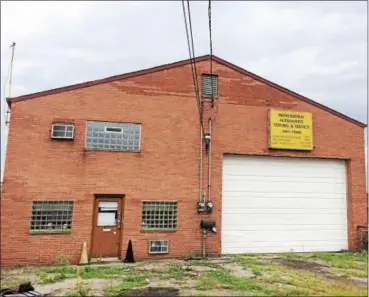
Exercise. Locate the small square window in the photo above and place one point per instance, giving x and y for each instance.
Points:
(209, 87)
(158, 246)
(62, 131)
(159, 215)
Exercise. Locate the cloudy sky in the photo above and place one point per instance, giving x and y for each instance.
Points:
(318, 49)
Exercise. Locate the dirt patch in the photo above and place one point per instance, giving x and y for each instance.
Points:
(351, 281)
(96, 286)
(165, 283)
(217, 292)
(200, 268)
(300, 264)
(152, 292)
(12, 278)
(238, 270)
(57, 289)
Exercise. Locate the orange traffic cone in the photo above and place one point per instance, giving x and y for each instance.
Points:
(84, 257)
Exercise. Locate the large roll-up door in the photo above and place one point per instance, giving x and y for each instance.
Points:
(281, 204)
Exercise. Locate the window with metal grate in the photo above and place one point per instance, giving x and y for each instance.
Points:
(209, 87)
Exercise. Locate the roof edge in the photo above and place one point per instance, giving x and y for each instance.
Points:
(289, 92)
(104, 80)
(178, 64)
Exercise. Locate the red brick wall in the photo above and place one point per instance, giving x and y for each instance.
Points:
(166, 168)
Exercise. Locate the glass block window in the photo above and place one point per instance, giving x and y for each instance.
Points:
(159, 215)
(62, 131)
(209, 86)
(158, 246)
(51, 215)
(113, 136)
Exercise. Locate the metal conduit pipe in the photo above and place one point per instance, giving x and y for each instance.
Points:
(209, 159)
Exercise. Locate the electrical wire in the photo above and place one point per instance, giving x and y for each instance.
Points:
(215, 104)
(193, 47)
(210, 39)
(191, 51)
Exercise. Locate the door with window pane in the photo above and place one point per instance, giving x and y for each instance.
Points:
(107, 228)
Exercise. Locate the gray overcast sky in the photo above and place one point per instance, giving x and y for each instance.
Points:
(318, 49)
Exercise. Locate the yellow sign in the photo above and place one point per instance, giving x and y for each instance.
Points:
(291, 130)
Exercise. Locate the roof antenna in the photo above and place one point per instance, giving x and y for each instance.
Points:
(10, 82)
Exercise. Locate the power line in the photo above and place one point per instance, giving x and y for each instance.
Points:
(191, 51)
(193, 47)
(210, 39)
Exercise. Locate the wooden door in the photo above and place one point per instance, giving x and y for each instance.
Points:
(107, 225)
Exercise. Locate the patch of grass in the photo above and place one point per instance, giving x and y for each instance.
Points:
(344, 260)
(349, 272)
(60, 269)
(129, 283)
(253, 262)
(225, 280)
(176, 271)
(62, 260)
(53, 274)
(191, 255)
(311, 284)
(105, 271)
(46, 278)
(80, 290)
(290, 256)
(205, 263)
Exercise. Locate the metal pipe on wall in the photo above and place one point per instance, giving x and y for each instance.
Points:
(200, 165)
(209, 159)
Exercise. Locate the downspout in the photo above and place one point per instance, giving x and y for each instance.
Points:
(209, 159)
(200, 165)
(201, 198)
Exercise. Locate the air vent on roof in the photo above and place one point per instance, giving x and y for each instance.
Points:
(209, 85)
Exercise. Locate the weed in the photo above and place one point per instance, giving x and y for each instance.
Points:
(18, 266)
(62, 260)
(205, 263)
(80, 290)
(104, 272)
(344, 260)
(225, 280)
(290, 256)
(129, 283)
(46, 278)
(191, 255)
(176, 271)
(53, 274)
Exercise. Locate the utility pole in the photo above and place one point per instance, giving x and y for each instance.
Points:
(10, 81)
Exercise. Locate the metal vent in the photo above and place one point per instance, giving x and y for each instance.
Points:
(209, 85)
(158, 246)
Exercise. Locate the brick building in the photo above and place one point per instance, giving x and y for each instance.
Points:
(118, 159)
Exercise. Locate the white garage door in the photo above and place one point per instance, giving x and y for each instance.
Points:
(278, 204)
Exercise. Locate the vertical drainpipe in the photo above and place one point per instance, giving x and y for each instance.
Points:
(209, 159)
(201, 148)
(200, 165)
